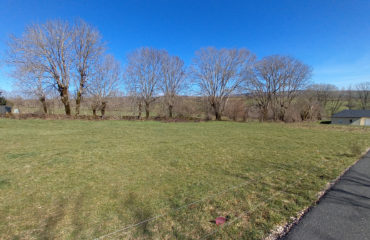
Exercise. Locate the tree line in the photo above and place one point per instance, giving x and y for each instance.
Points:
(72, 59)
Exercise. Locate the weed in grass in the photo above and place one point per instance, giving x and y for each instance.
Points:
(4, 183)
(355, 148)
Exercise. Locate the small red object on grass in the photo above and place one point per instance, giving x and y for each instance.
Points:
(220, 220)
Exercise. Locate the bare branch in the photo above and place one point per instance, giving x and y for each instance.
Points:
(277, 82)
(173, 71)
(45, 49)
(363, 90)
(143, 75)
(221, 73)
(104, 82)
(88, 47)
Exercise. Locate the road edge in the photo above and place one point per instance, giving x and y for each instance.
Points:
(282, 230)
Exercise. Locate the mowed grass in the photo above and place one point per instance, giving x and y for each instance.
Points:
(84, 179)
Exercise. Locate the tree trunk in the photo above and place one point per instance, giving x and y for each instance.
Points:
(79, 94)
(140, 110)
(275, 112)
(147, 105)
(282, 113)
(44, 106)
(67, 108)
(264, 113)
(65, 99)
(78, 102)
(170, 107)
(218, 116)
(102, 109)
(216, 110)
(94, 112)
(245, 115)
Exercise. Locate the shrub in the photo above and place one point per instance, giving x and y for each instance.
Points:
(2, 99)
(236, 109)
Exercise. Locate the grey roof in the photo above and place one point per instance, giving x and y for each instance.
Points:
(352, 113)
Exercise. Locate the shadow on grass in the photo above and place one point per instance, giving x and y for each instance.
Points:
(4, 182)
(140, 211)
(51, 222)
(346, 155)
(77, 217)
(50, 229)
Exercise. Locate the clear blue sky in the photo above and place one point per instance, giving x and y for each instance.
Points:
(331, 36)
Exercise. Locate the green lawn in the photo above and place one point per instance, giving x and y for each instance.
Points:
(72, 179)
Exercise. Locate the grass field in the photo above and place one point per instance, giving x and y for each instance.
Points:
(84, 179)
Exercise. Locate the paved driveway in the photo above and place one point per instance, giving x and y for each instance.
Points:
(343, 213)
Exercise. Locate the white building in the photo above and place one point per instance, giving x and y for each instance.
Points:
(352, 117)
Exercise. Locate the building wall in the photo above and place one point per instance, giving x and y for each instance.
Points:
(347, 121)
(351, 121)
(365, 122)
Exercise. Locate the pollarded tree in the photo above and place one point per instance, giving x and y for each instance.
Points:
(45, 48)
(135, 100)
(87, 47)
(278, 80)
(104, 83)
(220, 73)
(59, 51)
(143, 75)
(173, 80)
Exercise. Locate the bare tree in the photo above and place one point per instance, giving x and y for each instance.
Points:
(363, 90)
(323, 92)
(278, 80)
(143, 75)
(308, 106)
(104, 83)
(33, 84)
(335, 101)
(350, 98)
(219, 73)
(262, 93)
(45, 48)
(173, 81)
(88, 47)
(135, 101)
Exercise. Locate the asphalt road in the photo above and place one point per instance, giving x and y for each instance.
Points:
(343, 212)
